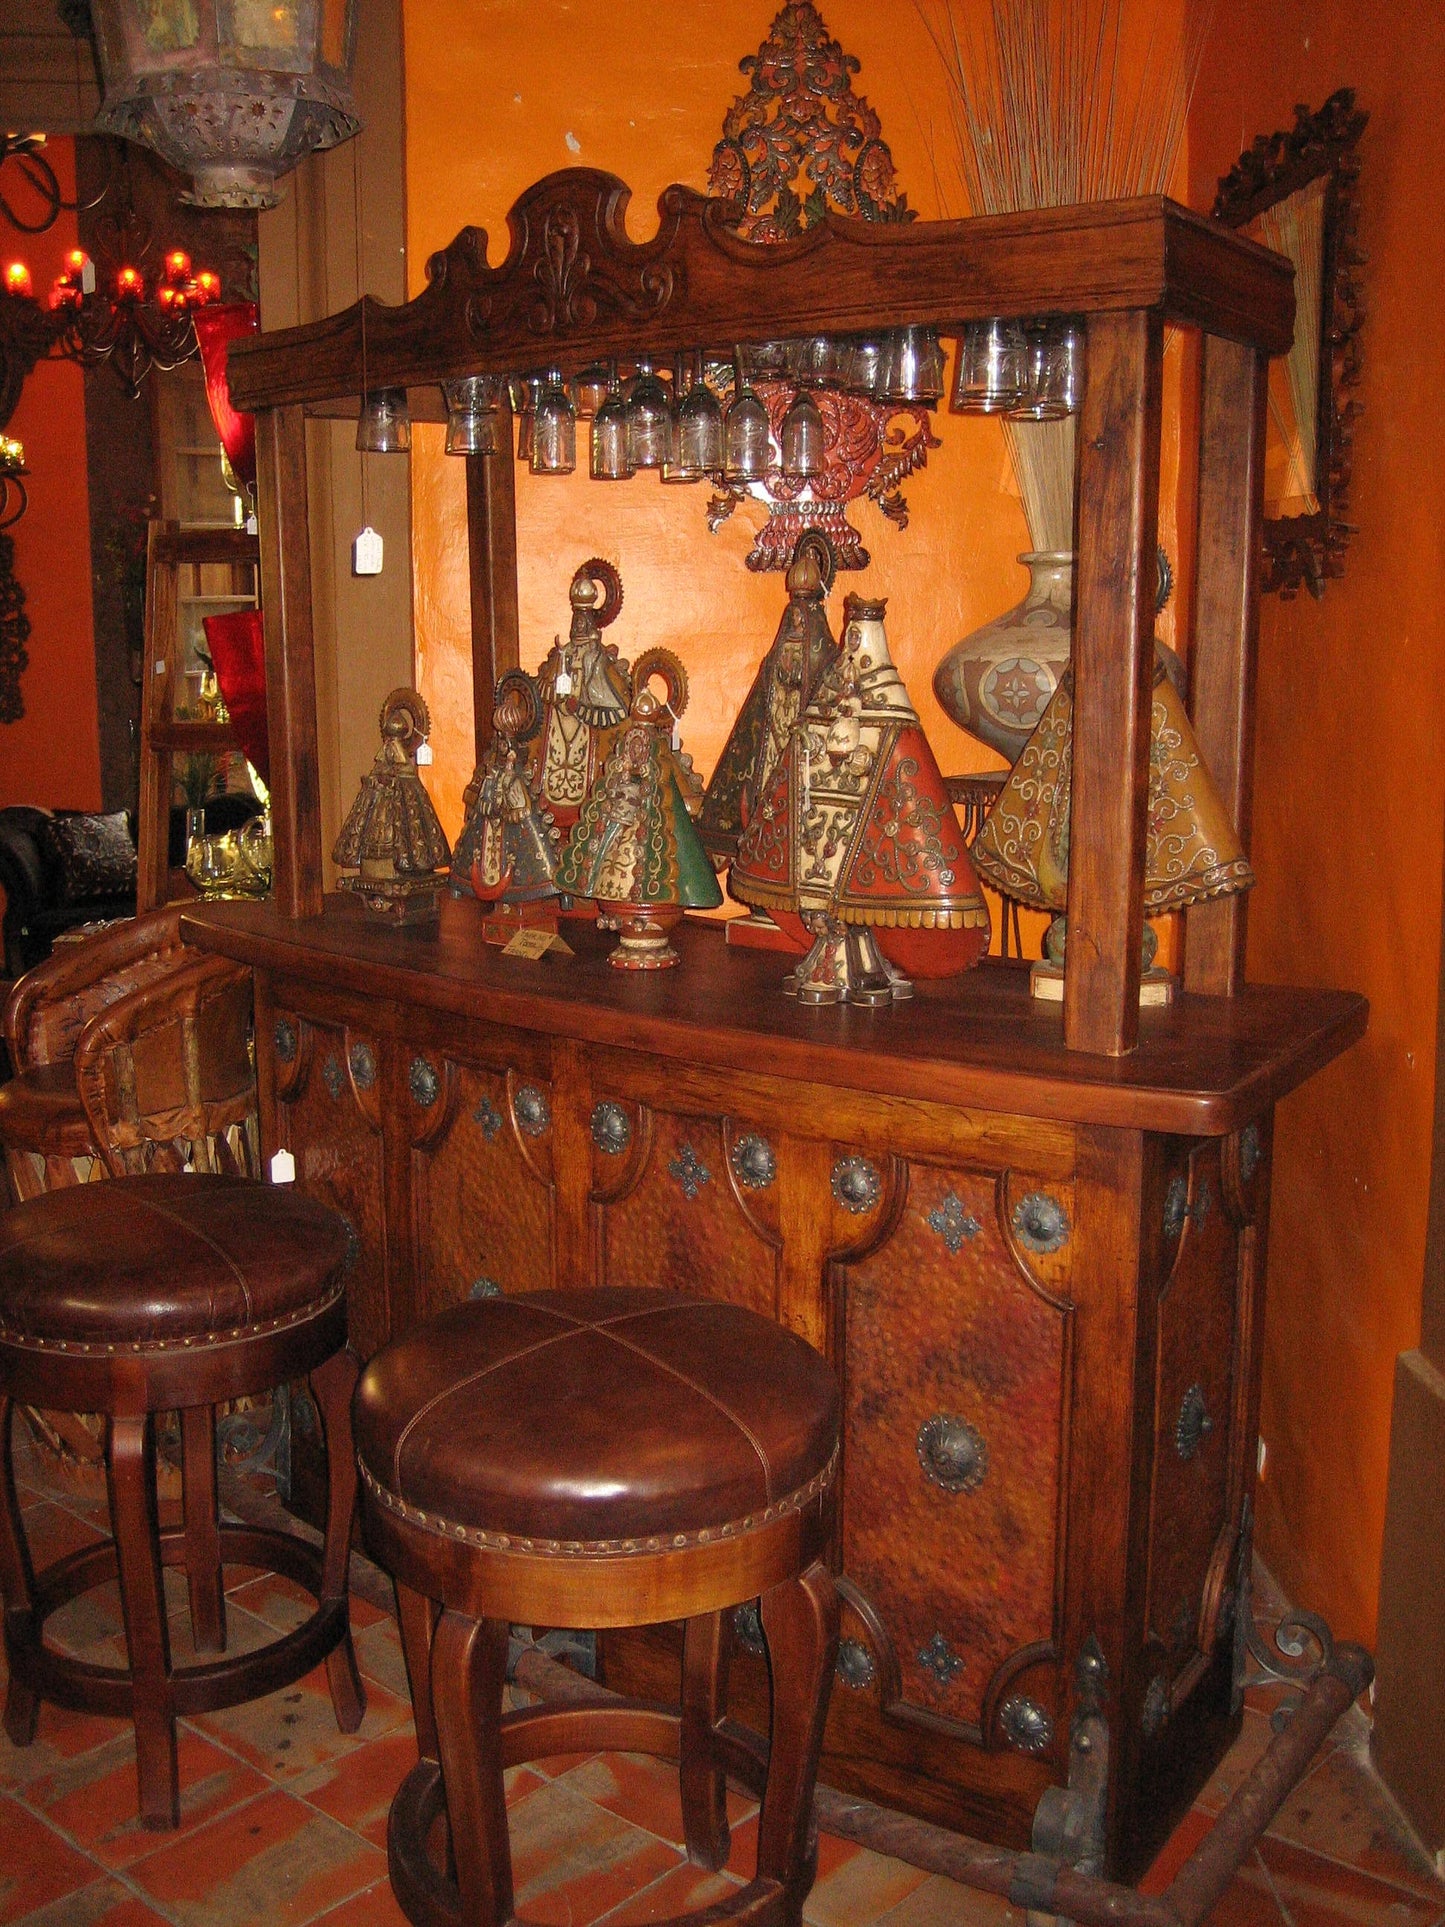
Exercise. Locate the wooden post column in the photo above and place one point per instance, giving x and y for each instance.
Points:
(1226, 629)
(1118, 515)
(281, 511)
(492, 555)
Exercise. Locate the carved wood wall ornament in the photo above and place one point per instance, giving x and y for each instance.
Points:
(1307, 550)
(14, 633)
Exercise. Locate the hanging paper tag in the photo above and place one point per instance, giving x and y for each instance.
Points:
(423, 754)
(283, 1168)
(563, 684)
(251, 524)
(366, 553)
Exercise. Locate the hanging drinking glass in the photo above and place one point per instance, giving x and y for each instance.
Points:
(700, 428)
(747, 436)
(913, 366)
(992, 357)
(471, 415)
(800, 438)
(554, 429)
(611, 457)
(1054, 375)
(526, 391)
(384, 424)
(589, 390)
(649, 418)
(865, 365)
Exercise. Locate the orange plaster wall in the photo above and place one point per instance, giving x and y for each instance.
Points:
(503, 92)
(51, 757)
(1350, 786)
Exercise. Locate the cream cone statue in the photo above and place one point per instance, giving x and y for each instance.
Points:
(1191, 849)
(856, 836)
(506, 856)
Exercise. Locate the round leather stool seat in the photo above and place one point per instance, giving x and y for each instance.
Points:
(592, 1421)
(600, 1458)
(164, 1293)
(164, 1260)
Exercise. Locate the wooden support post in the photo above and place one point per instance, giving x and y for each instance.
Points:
(290, 659)
(492, 549)
(1118, 516)
(1226, 628)
(159, 674)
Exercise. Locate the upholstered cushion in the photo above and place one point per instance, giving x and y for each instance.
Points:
(596, 1417)
(40, 1110)
(93, 856)
(161, 1260)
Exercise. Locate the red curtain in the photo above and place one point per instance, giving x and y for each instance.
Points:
(239, 653)
(216, 329)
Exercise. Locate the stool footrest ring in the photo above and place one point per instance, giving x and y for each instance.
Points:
(204, 1688)
(429, 1899)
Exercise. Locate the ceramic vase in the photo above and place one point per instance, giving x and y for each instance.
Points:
(997, 682)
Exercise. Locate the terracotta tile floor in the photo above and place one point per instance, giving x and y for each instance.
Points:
(283, 1819)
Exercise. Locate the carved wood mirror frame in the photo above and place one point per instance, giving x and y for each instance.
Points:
(1306, 550)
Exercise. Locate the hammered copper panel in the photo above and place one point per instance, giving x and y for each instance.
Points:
(1195, 1348)
(339, 1160)
(683, 1230)
(939, 1321)
(487, 1219)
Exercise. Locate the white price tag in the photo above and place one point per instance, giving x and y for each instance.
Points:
(563, 684)
(423, 754)
(283, 1168)
(366, 552)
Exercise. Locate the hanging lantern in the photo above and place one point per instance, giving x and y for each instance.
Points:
(233, 92)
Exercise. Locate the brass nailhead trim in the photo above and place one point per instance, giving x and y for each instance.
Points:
(23, 1342)
(600, 1548)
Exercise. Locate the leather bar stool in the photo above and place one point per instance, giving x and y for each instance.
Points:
(591, 1459)
(161, 1293)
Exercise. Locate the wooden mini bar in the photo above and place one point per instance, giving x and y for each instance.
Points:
(1031, 1243)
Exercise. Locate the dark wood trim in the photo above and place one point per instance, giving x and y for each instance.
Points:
(1203, 1067)
(1226, 630)
(574, 286)
(290, 659)
(1118, 510)
(492, 560)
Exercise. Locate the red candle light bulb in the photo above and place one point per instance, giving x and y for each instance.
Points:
(208, 285)
(178, 265)
(17, 279)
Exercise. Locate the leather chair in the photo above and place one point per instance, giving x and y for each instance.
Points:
(589, 1459)
(172, 1293)
(43, 1127)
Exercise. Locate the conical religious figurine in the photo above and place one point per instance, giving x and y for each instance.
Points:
(586, 691)
(856, 835)
(1191, 850)
(391, 836)
(634, 849)
(787, 676)
(506, 855)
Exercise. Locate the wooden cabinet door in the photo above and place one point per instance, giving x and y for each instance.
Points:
(956, 1387)
(483, 1190)
(327, 1083)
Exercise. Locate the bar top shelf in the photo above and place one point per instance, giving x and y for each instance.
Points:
(1203, 1067)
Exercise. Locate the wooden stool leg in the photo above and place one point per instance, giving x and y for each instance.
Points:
(706, 1651)
(331, 1386)
(130, 1459)
(17, 1583)
(417, 1617)
(800, 1624)
(468, 1676)
(204, 1582)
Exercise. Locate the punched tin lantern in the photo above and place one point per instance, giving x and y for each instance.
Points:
(233, 92)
